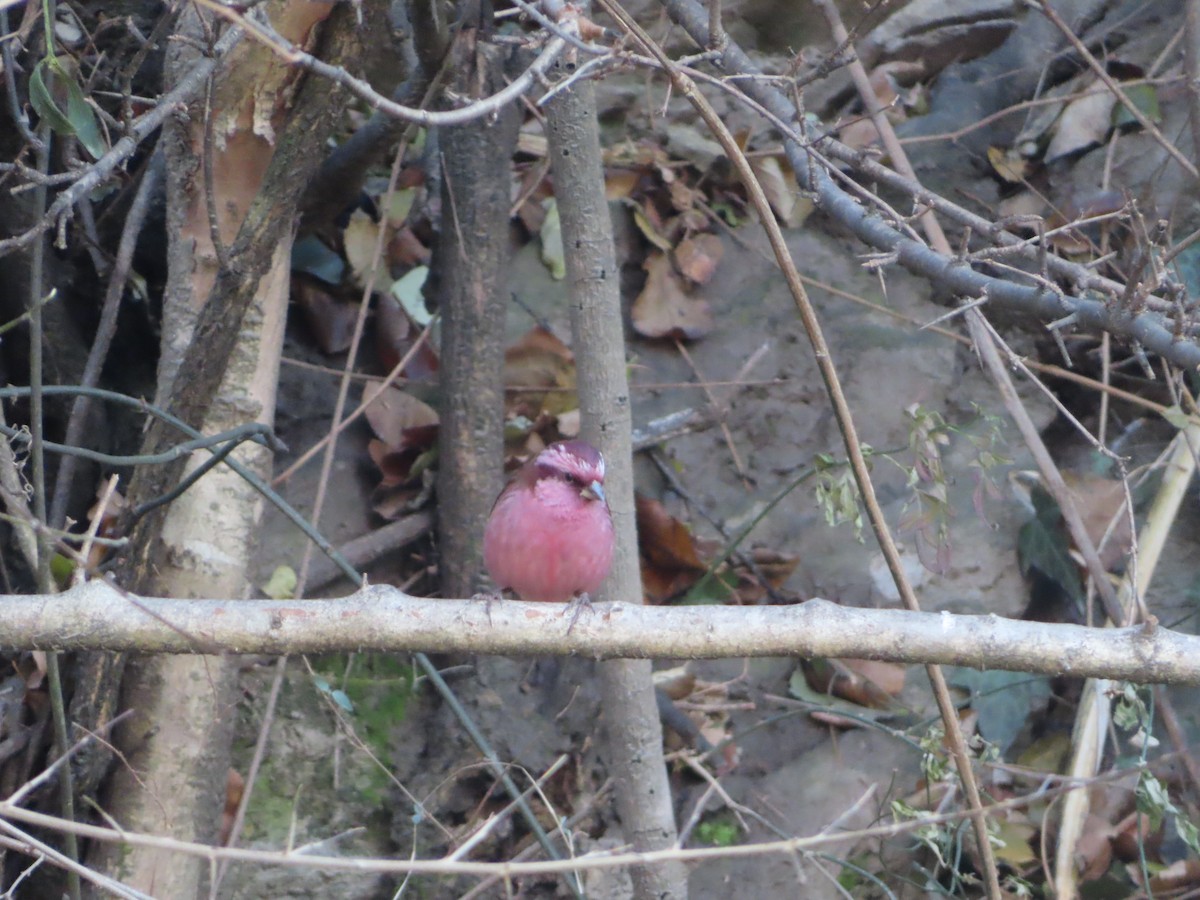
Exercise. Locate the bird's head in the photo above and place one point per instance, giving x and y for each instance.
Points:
(576, 463)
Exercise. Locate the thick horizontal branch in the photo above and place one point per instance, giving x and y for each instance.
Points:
(100, 617)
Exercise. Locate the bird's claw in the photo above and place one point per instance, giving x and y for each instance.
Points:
(575, 607)
(487, 598)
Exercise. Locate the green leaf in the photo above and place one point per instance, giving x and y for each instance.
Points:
(1176, 416)
(282, 585)
(52, 82)
(43, 100)
(717, 834)
(1152, 799)
(84, 122)
(1187, 832)
(1004, 701)
(1042, 545)
(401, 205)
(61, 568)
(727, 212)
(798, 688)
(1145, 98)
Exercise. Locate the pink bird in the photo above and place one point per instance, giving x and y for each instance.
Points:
(550, 535)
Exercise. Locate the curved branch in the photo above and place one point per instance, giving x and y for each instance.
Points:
(280, 45)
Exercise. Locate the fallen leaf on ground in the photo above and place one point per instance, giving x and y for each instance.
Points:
(1084, 123)
(359, 239)
(779, 185)
(867, 682)
(664, 309)
(539, 376)
(697, 257)
(394, 336)
(669, 553)
(391, 412)
(1009, 164)
(329, 319)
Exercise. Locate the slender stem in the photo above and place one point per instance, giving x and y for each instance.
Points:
(37, 275)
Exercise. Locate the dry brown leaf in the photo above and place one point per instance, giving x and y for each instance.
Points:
(1022, 205)
(392, 464)
(868, 683)
(1177, 877)
(683, 197)
(640, 154)
(394, 336)
(1093, 852)
(619, 183)
(569, 423)
(670, 556)
(542, 367)
(650, 225)
(859, 134)
(1084, 123)
(358, 240)
(405, 250)
(663, 309)
(390, 502)
(329, 319)
(777, 183)
(1100, 500)
(1009, 164)
(776, 565)
(1135, 835)
(676, 683)
(235, 787)
(392, 412)
(405, 469)
(697, 257)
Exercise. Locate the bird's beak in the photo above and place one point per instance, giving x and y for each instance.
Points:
(593, 492)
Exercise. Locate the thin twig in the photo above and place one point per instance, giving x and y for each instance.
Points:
(478, 109)
(1102, 73)
(945, 703)
(145, 125)
(505, 869)
(45, 581)
(105, 330)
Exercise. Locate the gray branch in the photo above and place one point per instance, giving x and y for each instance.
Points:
(1148, 329)
(98, 616)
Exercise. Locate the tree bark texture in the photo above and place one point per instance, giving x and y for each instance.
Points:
(632, 731)
(382, 618)
(471, 259)
(265, 124)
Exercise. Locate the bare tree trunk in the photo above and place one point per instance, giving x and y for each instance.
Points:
(264, 126)
(632, 731)
(472, 254)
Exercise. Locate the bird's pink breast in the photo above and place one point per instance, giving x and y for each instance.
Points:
(547, 543)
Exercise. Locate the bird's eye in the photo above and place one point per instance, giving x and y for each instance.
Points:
(574, 479)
